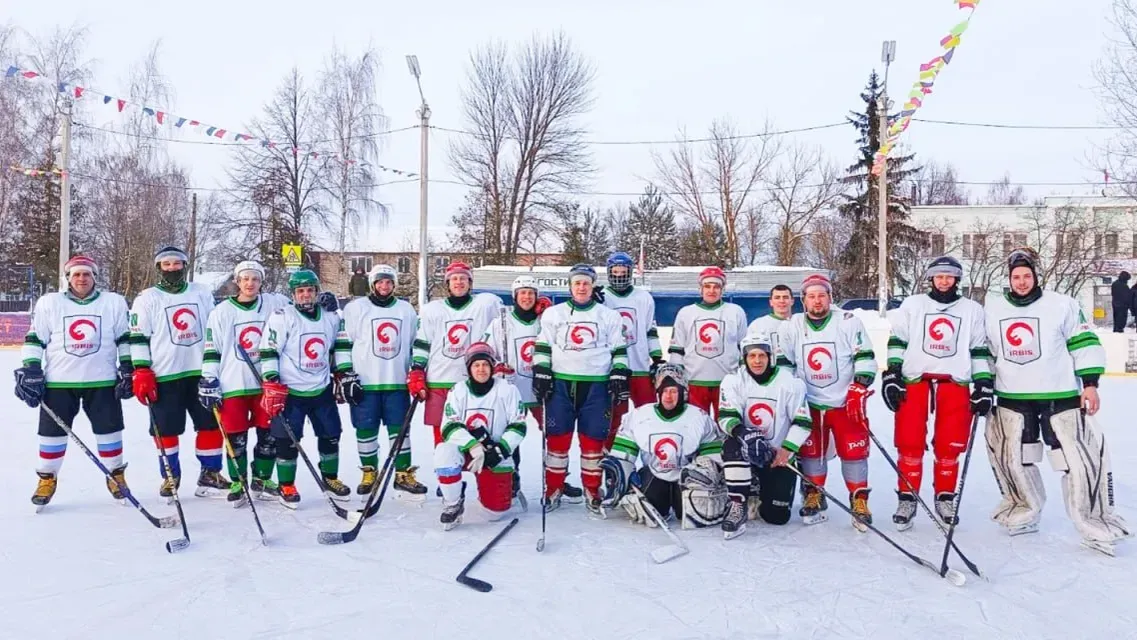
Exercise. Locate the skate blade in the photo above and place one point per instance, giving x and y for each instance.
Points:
(265, 497)
(1022, 530)
(290, 505)
(569, 500)
(731, 535)
(668, 553)
(240, 504)
(210, 492)
(338, 498)
(859, 526)
(1106, 548)
(522, 502)
(814, 519)
(410, 498)
(902, 526)
(40, 508)
(447, 526)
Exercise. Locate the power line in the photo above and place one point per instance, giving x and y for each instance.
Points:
(306, 143)
(1035, 127)
(741, 136)
(136, 183)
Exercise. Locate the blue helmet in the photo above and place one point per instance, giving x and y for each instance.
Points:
(622, 282)
(582, 269)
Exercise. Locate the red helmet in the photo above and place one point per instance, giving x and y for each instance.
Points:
(480, 351)
(459, 269)
(80, 262)
(712, 274)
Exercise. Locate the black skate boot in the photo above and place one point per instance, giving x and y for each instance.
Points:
(905, 510)
(236, 496)
(407, 486)
(116, 483)
(734, 524)
(945, 508)
(859, 501)
(337, 490)
(571, 494)
(593, 506)
(211, 484)
(452, 511)
(44, 490)
(264, 489)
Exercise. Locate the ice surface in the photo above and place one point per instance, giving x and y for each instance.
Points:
(88, 568)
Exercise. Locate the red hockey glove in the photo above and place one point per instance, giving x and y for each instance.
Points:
(145, 385)
(542, 303)
(855, 400)
(416, 383)
(273, 396)
(504, 370)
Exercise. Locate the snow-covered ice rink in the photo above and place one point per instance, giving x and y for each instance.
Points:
(88, 568)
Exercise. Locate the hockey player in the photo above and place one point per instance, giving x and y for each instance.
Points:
(763, 413)
(228, 385)
(167, 336)
(484, 424)
(705, 340)
(781, 308)
(580, 368)
(832, 353)
(296, 363)
(1047, 364)
(77, 352)
(446, 328)
(637, 311)
(937, 347)
(381, 329)
(679, 447)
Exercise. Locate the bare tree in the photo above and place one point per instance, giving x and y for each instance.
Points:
(984, 249)
(1005, 193)
(527, 146)
(936, 238)
(936, 184)
(828, 235)
(718, 187)
(1116, 75)
(804, 184)
(1071, 241)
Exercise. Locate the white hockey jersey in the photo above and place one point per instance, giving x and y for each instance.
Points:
(769, 324)
(931, 339)
(299, 349)
(637, 313)
(444, 333)
(666, 445)
(231, 324)
(381, 342)
(1040, 349)
(776, 409)
(520, 341)
(705, 341)
(167, 330)
(79, 343)
(500, 412)
(827, 356)
(581, 342)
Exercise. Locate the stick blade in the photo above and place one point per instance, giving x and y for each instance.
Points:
(335, 537)
(955, 577)
(175, 546)
(540, 545)
(668, 553)
(475, 584)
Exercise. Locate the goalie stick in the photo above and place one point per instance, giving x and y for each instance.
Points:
(668, 552)
(474, 583)
(167, 522)
(544, 476)
(240, 476)
(959, 495)
(181, 543)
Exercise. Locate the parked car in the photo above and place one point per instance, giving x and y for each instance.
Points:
(869, 304)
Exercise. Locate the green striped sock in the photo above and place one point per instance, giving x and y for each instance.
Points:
(262, 467)
(237, 467)
(329, 465)
(403, 459)
(286, 471)
(367, 441)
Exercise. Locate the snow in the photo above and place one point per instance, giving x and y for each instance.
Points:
(87, 567)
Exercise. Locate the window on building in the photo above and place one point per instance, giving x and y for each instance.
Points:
(440, 263)
(1110, 247)
(361, 262)
(936, 244)
(1134, 246)
(967, 245)
(1069, 244)
(979, 245)
(404, 264)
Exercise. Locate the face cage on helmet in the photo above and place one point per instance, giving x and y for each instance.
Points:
(619, 283)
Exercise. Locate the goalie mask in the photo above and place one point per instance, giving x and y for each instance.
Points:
(668, 376)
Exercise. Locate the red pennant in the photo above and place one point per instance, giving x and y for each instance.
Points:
(220, 133)
(121, 104)
(160, 115)
(30, 74)
(79, 92)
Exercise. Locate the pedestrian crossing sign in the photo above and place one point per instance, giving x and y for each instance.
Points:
(293, 256)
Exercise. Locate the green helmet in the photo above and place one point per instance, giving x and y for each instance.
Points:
(303, 278)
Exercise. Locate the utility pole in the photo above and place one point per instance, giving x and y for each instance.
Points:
(192, 236)
(424, 119)
(65, 197)
(888, 54)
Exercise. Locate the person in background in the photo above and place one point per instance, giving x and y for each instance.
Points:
(1122, 298)
(358, 287)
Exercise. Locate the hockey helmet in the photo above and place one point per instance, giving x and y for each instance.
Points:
(80, 263)
(382, 272)
(945, 266)
(303, 278)
(623, 281)
(582, 270)
(525, 282)
(712, 274)
(459, 269)
(170, 252)
(480, 351)
(671, 375)
(757, 340)
(248, 265)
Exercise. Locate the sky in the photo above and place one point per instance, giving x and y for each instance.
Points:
(660, 66)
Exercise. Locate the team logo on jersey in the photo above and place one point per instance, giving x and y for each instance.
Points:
(82, 335)
(760, 412)
(385, 337)
(185, 324)
(581, 336)
(941, 334)
(479, 418)
(709, 341)
(820, 364)
(667, 452)
(1020, 340)
(631, 330)
(313, 352)
(456, 338)
(524, 349)
(248, 336)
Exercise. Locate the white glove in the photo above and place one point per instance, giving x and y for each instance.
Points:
(477, 455)
(633, 506)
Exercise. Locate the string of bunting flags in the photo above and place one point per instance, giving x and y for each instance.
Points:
(39, 173)
(166, 119)
(929, 71)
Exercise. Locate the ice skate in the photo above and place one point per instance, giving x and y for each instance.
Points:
(859, 501)
(44, 490)
(945, 508)
(337, 490)
(594, 508)
(553, 502)
(408, 488)
(236, 496)
(370, 477)
(169, 487)
(211, 484)
(1022, 529)
(905, 510)
(734, 524)
(1101, 546)
(813, 506)
(571, 494)
(116, 484)
(452, 513)
(264, 489)
(289, 496)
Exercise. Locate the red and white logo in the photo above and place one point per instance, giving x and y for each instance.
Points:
(525, 348)
(184, 324)
(248, 336)
(820, 364)
(761, 415)
(631, 329)
(313, 352)
(941, 334)
(386, 333)
(456, 338)
(479, 418)
(1020, 340)
(667, 452)
(709, 342)
(581, 336)
(83, 335)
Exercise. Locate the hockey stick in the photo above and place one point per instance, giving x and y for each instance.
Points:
(474, 583)
(544, 473)
(340, 511)
(240, 475)
(959, 497)
(671, 551)
(953, 576)
(911, 489)
(385, 473)
(172, 546)
(167, 522)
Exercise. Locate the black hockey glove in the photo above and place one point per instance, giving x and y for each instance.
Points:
(350, 389)
(495, 453)
(892, 388)
(124, 385)
(755, 449)
(30, 384)
(328, 301)
(983, 397)
(209, 392)
(598, 293)
(655, 363)
(620, 384)
(542, 382)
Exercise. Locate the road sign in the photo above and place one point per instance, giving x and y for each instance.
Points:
(293, 256)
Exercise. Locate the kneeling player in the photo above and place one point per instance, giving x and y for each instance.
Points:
(763, 412)
(679, 447)
(484, 423)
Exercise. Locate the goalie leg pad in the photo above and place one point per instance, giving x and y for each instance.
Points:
(704, 493)
(1087, 477)
(1013, 449)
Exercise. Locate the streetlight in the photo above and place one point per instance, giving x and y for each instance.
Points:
(887, 55)
(424, 122)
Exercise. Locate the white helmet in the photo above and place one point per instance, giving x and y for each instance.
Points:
(380, 272)
(525, 282)
(248, 265)
(757, 340)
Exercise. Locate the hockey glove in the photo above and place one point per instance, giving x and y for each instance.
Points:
(273, 396)
(145, 385)
(542, 382)
(30, 384)
(542, 304)
(124, 384)
(504, 370)
(983, 397)
(892, 388)
(416, 383)
(755, 449)
(494, 454)
(328, 301)
(856, 398)
(620, 384)
(349, 388)
(209, 392)
(613, 480)
(477, 455)
(598, 293)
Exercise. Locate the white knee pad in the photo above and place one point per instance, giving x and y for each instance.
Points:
(1087, 479)
(1013, 462)
(448, 459)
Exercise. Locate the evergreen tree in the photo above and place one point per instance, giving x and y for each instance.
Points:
(858, 274)
(652, 222)
(586, 234)
(698, 246)
(37, 227)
